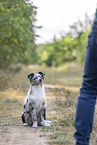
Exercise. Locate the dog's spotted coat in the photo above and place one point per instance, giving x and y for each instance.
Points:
(35, 102)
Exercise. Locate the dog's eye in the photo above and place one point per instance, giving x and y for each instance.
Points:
(34, 78)
(40, 77)
(40, 80)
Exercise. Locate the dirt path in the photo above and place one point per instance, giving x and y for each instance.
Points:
(22, 136)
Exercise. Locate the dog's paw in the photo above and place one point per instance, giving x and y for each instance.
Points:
(35, 124)
(25, 124)
(46, 125)
(48, 122)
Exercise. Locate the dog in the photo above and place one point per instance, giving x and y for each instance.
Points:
(34, 112)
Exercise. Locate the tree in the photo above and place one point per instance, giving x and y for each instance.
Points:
(17, 34)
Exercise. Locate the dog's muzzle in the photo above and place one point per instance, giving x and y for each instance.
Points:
(37, 82)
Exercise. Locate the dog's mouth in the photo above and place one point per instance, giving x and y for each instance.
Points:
(36, 83)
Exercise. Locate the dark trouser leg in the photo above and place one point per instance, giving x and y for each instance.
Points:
(84, 122)
(88, 92)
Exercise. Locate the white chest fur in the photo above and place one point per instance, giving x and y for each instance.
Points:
(36, 95)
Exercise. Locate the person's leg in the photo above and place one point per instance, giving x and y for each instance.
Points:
(88, 92)
(83, 122)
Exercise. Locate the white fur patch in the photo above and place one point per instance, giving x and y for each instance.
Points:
(36, 94)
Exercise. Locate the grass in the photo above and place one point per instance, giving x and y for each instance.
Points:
(62, 87)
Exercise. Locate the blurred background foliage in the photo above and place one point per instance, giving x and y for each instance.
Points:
(70, 47)
(17, 38)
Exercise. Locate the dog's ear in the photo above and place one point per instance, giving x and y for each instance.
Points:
(42, 74)
(31, 75)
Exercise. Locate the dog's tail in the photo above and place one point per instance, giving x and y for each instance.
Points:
(44, 113)
(23, 118)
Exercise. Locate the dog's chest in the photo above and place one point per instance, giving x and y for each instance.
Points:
(36, 96)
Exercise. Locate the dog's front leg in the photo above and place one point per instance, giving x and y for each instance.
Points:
(45, 123)
(34, 117)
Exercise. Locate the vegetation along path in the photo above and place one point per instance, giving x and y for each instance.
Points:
(62, 86)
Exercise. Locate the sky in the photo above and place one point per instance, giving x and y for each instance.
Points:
(55, 16)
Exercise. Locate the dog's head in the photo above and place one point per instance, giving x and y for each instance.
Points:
(36, 79)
